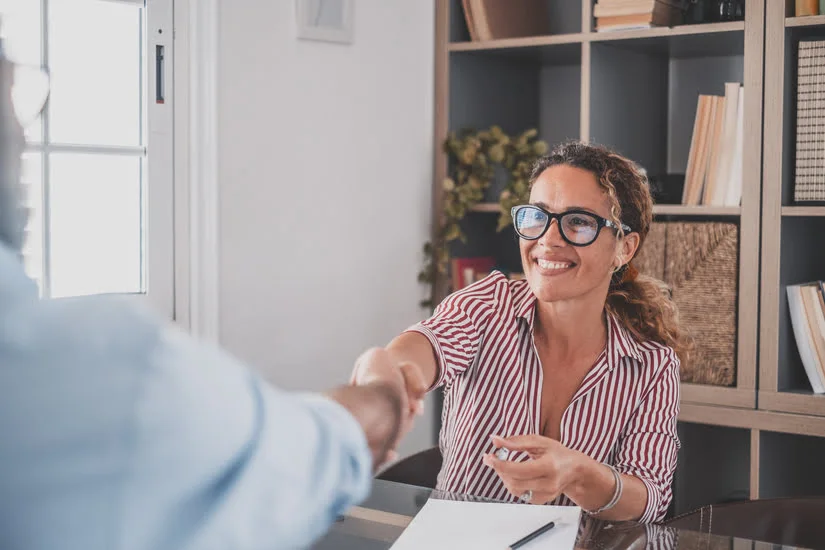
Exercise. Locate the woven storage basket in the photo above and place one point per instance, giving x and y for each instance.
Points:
(698, 261)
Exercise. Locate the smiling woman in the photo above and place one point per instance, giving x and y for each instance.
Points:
(575, 370)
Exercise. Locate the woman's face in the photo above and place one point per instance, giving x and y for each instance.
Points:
(557, 270)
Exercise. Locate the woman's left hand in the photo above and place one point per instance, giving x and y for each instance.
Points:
(551, 470)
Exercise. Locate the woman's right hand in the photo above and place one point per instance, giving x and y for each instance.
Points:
(379, 365)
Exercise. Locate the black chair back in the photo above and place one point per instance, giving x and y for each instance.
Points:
(788, 521)
(420, 469)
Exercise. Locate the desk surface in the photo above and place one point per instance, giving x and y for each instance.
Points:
(381, 519)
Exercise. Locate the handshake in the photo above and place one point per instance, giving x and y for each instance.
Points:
(384, 395)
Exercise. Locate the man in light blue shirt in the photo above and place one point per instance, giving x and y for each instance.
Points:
(118, 432)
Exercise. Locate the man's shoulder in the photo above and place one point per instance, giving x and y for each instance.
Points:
(88, 327)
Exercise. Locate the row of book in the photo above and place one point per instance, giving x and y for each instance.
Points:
(804, 8)
(806, 302)
(714, 170)
(613, 15)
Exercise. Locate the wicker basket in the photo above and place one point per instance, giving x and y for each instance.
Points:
(698, 260)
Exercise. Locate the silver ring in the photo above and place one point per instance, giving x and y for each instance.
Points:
(526, 496)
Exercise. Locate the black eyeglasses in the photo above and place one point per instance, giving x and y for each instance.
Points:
(577, 227)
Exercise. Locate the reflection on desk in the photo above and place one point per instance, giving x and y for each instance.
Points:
(384, 515)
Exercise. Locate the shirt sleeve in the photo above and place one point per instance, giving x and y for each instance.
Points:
(221, 459)
(456, 328)
(649, 447)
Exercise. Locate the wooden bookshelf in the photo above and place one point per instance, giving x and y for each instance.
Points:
(792, 233)
(617, 88)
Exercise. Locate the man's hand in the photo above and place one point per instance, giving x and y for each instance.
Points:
(377, 365)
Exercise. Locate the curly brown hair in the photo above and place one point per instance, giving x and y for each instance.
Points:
(642, 304)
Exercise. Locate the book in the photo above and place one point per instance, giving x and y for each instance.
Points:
(806, 7)
(606, 8)
(466, 271)
(713, 175)
(493, 19)
(636, 14)
(808, 324)
(468, 18)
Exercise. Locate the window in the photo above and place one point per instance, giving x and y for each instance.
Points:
(99, 166)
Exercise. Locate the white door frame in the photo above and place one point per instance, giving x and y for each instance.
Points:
(196, 168)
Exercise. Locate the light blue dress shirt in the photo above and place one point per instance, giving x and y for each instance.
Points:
(120, 433)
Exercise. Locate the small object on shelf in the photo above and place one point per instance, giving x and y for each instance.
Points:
(729, 10)
(805, 8)
(697, 12)
(667, 188)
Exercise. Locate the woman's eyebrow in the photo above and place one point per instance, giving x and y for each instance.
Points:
(586, 209)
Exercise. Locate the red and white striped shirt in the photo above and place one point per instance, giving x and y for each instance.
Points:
(624, 413)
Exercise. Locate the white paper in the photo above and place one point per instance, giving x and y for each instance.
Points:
(450, 524)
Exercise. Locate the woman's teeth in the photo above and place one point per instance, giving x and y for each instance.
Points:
(545, 264)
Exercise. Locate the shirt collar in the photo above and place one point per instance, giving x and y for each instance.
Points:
(620, 341)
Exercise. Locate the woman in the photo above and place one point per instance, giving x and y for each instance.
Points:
(574, 370)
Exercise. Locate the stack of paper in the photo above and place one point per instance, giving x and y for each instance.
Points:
(451, 524)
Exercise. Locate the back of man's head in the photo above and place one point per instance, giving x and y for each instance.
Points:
(12, 142)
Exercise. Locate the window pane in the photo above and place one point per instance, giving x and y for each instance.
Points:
(95, 227)
(95, 64)
(21, 36)
(31, 177)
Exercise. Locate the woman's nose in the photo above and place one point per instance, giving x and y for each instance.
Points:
(552, 237)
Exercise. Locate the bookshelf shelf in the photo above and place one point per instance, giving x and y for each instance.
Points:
(803, 211)
(516, 43)
(796, 402)
(809, 21)
(666, 32)
(718, 395)
(699, 211)
(684, 41)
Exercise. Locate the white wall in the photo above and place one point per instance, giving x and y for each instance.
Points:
(325, 185)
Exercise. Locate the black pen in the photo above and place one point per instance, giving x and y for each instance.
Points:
(531, 536)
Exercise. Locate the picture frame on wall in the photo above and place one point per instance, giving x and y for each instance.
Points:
(325, 20)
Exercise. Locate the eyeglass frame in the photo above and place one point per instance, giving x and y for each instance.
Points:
(600, 223)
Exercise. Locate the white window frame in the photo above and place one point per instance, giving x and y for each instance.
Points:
(159, 194)
(196, 168)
